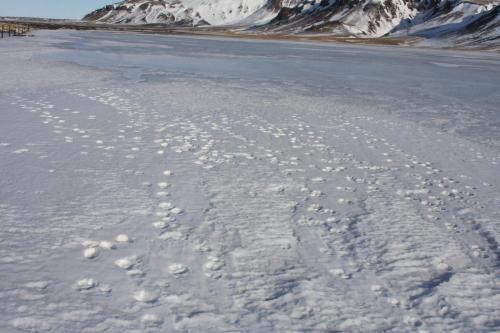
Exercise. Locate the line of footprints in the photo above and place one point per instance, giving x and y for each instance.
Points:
(166, 213)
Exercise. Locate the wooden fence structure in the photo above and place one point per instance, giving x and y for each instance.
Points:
(8, 30)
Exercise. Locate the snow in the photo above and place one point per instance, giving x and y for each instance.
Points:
(86, 283)
(311, 187)
(107, 245)
(213, 12)
(90, 253)
(126, 263)
(145, 296)
(151, 320)
(364, 21)
(122, 238)
(444, 22)
(177, 269)
(457, 18)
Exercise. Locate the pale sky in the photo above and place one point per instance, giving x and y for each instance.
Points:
(71, 9)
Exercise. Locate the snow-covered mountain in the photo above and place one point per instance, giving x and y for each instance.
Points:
(181, 12)
(364, 18)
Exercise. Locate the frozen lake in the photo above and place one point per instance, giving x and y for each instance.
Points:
(455, 91)
(185, 184)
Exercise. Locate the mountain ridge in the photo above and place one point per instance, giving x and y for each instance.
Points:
(457, 21)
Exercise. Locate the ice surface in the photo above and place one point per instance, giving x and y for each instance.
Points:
(311, 187)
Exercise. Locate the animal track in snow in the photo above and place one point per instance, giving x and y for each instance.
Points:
(163, 185)
(90, 253)
(171, 235)
(176, 211)
(177, 269)
(146, 296)
(86, 284)
(127, 262)
(122, 238)
(151, 320)
(107, 245)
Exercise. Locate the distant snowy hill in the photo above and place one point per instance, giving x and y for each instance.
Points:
(182, 12)
(362, 18)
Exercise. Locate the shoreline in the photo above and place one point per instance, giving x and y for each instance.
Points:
(233, 32)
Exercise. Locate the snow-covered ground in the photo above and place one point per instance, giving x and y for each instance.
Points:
(177, 184)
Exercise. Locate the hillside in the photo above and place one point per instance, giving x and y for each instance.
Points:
(455, 21)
